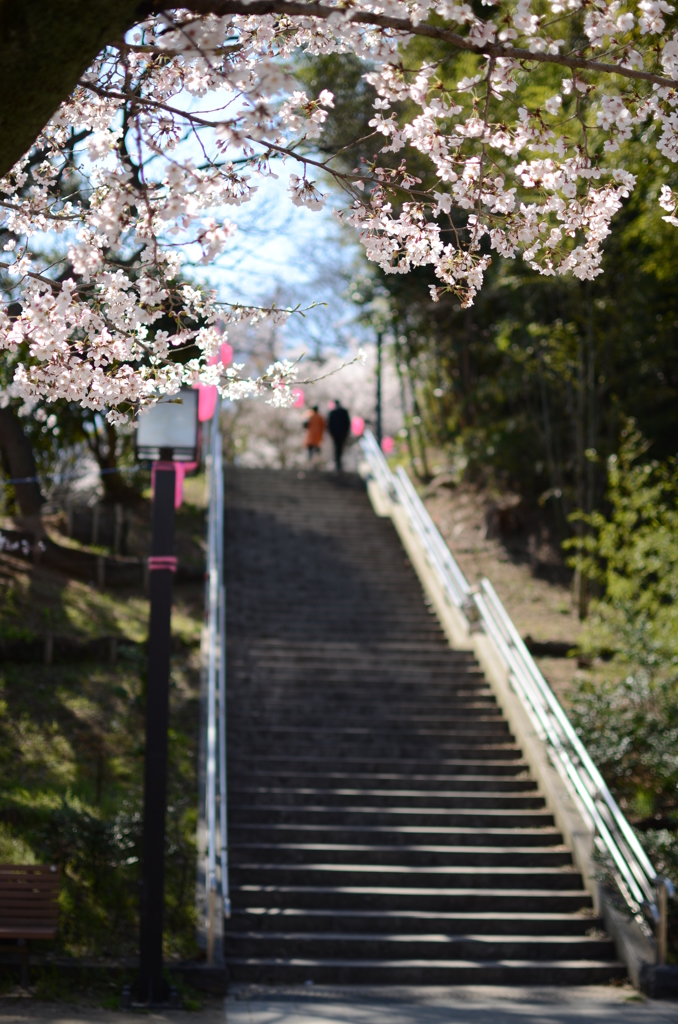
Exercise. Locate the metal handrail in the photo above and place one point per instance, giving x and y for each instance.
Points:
(441, 554)
(378, 463)
(223, 792)
(636, 877)
(215, 788)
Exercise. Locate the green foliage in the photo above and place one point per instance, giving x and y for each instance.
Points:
(626, 707)
(661, 845)
(71, 752)
(541, 370)
(629, 726)
(347, 124)
(632, 553)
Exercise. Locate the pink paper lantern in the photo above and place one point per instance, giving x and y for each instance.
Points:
(387, 445)
(207, 400)
(299, 399)
(180, 471)
(357, 426)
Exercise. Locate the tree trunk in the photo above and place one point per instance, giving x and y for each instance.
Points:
(18, 458)
(45, 46)
(116, 489)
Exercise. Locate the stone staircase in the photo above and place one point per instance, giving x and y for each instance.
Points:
(383, 825)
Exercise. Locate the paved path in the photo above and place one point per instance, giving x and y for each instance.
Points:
(460, 1005)
(321, 1005)
(30, 1011)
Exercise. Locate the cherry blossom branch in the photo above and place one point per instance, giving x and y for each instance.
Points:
(97, 333)
(359, 358)
(297, 9)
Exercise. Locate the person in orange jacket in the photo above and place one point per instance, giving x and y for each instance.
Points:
(315, 428)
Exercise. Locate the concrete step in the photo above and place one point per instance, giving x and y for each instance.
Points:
(342, 711)
(392, 816)
(281, 701)
(476, 731)
(557, 879)
(432, 947)
(391, 897)
(412, 922)
(303, 796)
(509, 767)
(392, 751)
(394, 646)
(383, 780)
(412, 855)
(397, 834)
(425, 972)
(383, 826)
(425, 687)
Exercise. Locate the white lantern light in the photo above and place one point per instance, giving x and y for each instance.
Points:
(169, 430)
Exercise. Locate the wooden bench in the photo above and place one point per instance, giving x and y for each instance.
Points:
(29, 908)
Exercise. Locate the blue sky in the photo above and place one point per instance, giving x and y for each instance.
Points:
(287, 254)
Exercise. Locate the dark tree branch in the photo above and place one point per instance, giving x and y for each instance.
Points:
(46, 46)
(299, 8)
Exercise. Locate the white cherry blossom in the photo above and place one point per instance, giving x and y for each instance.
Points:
(134, 174)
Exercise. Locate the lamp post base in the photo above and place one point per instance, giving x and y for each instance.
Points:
(129, 1001)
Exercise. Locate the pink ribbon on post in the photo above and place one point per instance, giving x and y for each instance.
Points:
(162, 562)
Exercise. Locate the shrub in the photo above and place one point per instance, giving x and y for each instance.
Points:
(626, 707)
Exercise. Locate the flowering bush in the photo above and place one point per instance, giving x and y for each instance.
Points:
(174, 122)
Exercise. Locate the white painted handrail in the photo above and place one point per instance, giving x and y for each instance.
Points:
(635, 875)
(216, 883)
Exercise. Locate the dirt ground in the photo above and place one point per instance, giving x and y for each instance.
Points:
(523, 564)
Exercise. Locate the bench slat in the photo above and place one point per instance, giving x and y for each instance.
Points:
(19, 913)
(24, 870)
(28, 889)
(23, 932)
(28, 884)
(29, 896)
(42, 899)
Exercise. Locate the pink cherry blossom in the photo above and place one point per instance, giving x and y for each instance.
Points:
(133, 176)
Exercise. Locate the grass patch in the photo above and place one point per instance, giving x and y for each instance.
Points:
(84, 986)
(72, 750)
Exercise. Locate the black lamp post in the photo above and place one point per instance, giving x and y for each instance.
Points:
(378, 410)
(380, 316)
(167, 434)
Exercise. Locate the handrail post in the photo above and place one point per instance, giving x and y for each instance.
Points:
(212, 774)
(221, 627)
(210, 920)
(662, 922)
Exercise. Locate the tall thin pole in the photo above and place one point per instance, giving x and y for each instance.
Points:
(162, 564)
(378, 417)
(211, 762)
(223, 793)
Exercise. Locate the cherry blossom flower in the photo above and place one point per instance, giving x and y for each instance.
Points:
(134, 174)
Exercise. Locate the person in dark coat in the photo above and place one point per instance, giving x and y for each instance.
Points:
(339, 426)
